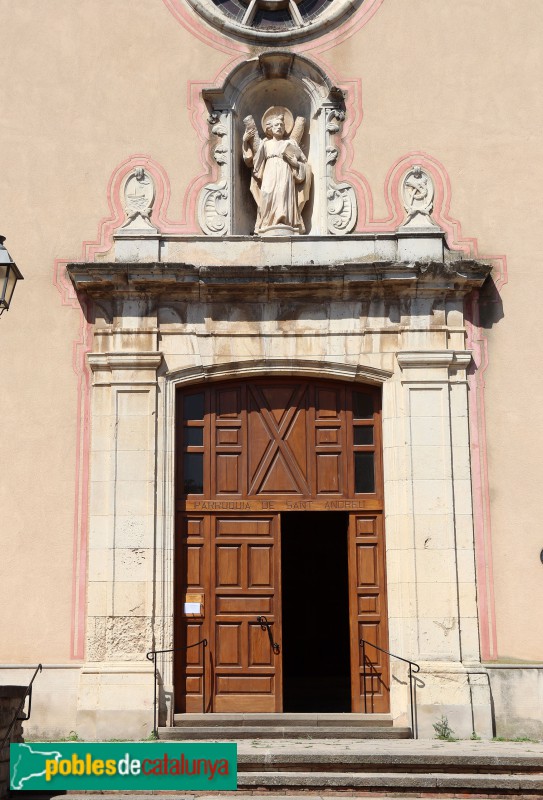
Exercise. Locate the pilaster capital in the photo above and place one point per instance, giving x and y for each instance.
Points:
(130, 367)
(129, 360)
(428, 359)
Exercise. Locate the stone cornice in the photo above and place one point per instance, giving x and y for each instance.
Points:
(338, 280)
(128, 360)
(422, 359)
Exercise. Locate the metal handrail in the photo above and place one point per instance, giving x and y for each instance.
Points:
(412, 664)
(265, 625)
(28, 693)
(151, 656)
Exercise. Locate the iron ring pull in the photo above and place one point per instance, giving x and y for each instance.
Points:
(265, 625)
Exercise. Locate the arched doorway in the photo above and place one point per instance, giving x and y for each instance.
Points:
(279, 514)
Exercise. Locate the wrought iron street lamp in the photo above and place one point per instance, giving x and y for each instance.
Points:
(9, 275)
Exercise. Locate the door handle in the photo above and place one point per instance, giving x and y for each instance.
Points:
(265, 625)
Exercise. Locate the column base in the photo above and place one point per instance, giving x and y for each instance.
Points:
(115, 701)
(460, 694)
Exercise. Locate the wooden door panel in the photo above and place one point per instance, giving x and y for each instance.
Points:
(329, 474)
(277, 431)
(245, 562)
(367, 590)
(192, 570)
(228, 566)
(259, 566)
(228, 402)
(260, 653)
(328, 402)
(228, 644)
(329, 441)
(228, 473)
(244, 605)
(276, 478)
(248, 526)
(296, 441)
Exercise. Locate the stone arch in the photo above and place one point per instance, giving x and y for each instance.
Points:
(331, 370)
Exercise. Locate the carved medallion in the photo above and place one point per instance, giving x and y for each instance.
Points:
(138, 195)
(417, 193)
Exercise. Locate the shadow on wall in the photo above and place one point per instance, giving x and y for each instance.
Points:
(488, 306)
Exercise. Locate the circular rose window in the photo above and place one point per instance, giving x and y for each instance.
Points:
(274, 21)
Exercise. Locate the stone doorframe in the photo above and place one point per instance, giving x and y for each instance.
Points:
(397, 323)
(431, 589)
(239, 370)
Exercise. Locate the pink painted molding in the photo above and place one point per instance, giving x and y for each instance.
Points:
(80, 348)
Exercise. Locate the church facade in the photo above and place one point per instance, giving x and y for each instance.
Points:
(271, 437)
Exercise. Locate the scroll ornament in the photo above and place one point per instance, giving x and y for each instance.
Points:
(341, 202)
(214, 201)
(341, 206)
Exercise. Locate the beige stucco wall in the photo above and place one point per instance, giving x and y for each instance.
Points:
(87, 84)
(462, 82)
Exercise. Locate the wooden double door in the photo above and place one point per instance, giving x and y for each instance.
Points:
(280, 554)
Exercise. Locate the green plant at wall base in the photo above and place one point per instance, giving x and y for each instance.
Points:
(474, 737)
(443, 730)
(515, 739)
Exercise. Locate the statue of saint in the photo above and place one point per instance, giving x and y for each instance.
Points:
(281, 178)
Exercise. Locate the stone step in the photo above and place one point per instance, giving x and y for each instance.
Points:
(466, 783)
(235, 732)
(386, 759)
(283, 720)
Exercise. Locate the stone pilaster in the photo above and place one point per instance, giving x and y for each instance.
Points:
(430, 549)
(116, 689)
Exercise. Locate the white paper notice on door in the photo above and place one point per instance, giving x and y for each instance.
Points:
(192, 608)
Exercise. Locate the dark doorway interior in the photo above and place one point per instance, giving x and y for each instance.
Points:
(314, 573)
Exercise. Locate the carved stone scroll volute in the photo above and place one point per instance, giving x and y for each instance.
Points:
(341, 202)
(214, 204)
(341, 207)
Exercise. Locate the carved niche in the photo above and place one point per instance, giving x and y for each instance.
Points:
(281, 180)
